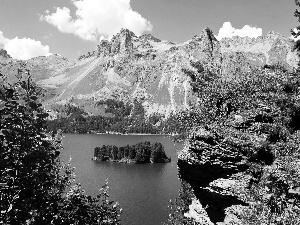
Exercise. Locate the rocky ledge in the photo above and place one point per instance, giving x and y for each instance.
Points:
(214, 173)
(237, 180)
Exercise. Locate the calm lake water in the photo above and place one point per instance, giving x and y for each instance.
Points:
(142, 190)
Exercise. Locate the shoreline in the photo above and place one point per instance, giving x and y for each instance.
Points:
(139, 134)
(131, 161)
(128, 134)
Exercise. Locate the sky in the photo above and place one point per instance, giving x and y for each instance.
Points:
(30, 28)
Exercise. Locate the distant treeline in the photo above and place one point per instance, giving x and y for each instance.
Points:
(143, 152)
(121, 117)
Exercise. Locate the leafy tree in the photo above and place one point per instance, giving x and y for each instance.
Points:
(158, 153)
(296, 14)
(132, 152)
(121, 153)
(35, 188)
(115, 151)
(143, 152)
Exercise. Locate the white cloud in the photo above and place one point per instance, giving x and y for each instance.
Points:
(24, 48)
(96, 18)
(227, 30)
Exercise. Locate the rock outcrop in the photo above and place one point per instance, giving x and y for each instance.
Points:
(121, 43)
(103, 49)
(4, 54)
(272, 49)
(211, 168)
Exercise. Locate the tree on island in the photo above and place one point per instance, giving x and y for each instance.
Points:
(35, 188)
(143, 152)
(157, 153)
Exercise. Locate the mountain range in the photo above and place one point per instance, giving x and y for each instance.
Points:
(147, 69)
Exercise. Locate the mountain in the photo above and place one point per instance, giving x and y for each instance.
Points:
(145, 68)
(272, 49)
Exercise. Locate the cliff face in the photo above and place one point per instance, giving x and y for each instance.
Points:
(240, 180)
(213, 171)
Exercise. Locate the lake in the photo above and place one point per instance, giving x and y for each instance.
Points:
(142, 190)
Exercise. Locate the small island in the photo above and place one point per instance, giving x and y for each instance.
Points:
(143, 152)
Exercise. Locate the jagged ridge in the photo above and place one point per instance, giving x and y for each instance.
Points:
(147, 68)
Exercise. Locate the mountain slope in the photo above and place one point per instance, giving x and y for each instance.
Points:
(146, 68)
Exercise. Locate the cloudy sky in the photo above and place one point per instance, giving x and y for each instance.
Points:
(30, 28)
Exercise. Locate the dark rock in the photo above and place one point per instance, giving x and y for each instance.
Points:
(206, 159)
(263, 118)
(199, 177)
(104, 48)
(4, 53)
(148, 37)
(122, 42)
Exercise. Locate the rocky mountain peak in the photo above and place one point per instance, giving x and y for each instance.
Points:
(274, 34)
(125, 42)
(103, 48)
(122, 42)
(271, 49)
(247, 42)
(148, 37)
(126, 32)
(207, 34)
(4, 53)
(205, 48)
(206, 40)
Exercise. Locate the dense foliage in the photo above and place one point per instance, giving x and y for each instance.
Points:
(35, 188)
(142, 152)
(120, 117)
